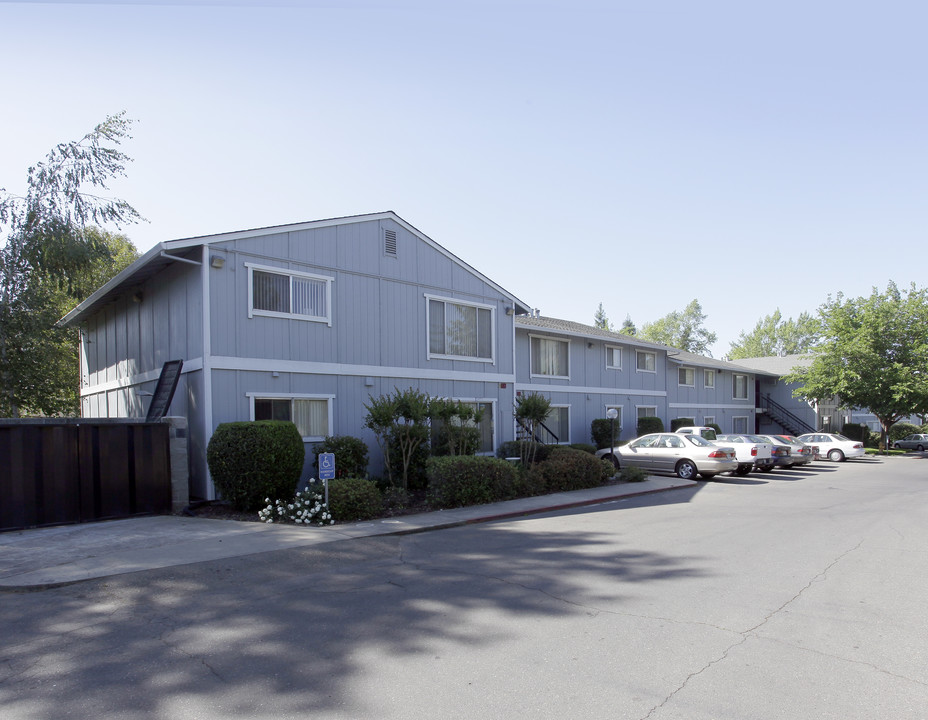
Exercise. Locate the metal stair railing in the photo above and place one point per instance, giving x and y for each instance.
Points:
(547, 436)
(790, 422)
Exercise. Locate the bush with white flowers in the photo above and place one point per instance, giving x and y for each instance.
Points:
(306, 508)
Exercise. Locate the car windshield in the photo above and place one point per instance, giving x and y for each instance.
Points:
(698, 441)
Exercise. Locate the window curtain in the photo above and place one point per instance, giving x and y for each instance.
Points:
(311, 417)
(271, 292)
(309, 297)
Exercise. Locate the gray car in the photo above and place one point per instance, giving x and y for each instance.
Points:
(918, 442)
(672, 453)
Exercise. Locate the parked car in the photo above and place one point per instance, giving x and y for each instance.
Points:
(918, 441)
(753, 452)
(707, 433)
(684, 455)
(800, 448)
(834, 446)
(796, 455)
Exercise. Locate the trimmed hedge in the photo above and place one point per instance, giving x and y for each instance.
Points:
(352, 498)
(457, 481)
(649, 425)
(511, 448)
(252, 461)
(678, 423)
(351, 455)
(600, 431)
(568, 469)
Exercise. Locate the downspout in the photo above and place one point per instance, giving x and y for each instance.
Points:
(207, 371)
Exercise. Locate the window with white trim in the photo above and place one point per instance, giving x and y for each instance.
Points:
(708, 378)
(274, 292)
(550, 357)
(460, 330)
(312, 414)
(739, 425)
(687, 377)
(613, 357)
(484, 425)
(646, 361)
(708, 420)
(558, 422)
(646, 411)
(739, 386)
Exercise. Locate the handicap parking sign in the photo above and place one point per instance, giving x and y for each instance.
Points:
(326, 466)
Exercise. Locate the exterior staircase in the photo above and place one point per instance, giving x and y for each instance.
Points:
(792, 424)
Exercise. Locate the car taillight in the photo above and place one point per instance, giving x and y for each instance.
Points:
(858, 446)
(718, 454)
(754, 451)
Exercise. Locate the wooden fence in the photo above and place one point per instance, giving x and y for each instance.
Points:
(59, 471)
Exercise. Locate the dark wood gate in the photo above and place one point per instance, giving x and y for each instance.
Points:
(62, 471)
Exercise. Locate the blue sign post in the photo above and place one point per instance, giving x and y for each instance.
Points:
(326, 471)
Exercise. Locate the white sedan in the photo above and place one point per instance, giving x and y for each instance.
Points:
(684, 455)
(834, 446)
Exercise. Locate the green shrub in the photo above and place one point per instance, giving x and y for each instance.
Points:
(567, 469)
(600, 431)
(415, 472)
(718, 430)
(252, 461)
(513, 448)
(650, 425)
(678, 423)
(901, 430)
(585, 447)
(631, 473)
(353, 499)
(351, 455)
(456, 481)
(856, 431)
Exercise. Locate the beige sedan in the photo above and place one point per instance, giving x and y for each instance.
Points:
(672, 453)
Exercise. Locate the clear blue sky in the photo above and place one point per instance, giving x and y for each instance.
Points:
(639, 154)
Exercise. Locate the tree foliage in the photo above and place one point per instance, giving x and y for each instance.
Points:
(600, 319)
(684, 330)
(774, 336)
(873, 354)
(628, 327)
(54, 256)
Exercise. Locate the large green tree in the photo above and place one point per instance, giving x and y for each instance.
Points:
(873, 354)
(54, 255)
(775, 336)
(601, 320)
(684, 330)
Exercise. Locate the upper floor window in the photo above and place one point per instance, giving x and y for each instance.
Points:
(687, 376)
(286, 293)
(646, 361)
(709, 378)
(739, 386)
(613, 357)
(460, 330)
(550, 356)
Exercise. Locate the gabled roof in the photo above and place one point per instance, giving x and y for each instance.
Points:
(774, 365)
(185, 250)
(575, 329)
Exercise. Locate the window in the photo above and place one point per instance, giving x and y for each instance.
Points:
(687, 376)
(613, 357)
(278, 293)
(484, 426)
(646, 361)
(708, 420)
(739, 425)
(312, 415)
(460, 330)
(558, 422)
(708, 378)
(646, 411)
(739, 386)
(550, 357)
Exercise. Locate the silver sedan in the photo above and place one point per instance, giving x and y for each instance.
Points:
(672, 453)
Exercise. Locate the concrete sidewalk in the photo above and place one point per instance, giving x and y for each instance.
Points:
(59, 555)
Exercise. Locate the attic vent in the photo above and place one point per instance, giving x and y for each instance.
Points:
(389, 243)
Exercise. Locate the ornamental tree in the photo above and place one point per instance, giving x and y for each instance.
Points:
(873, 354)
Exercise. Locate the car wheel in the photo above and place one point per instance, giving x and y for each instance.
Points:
(766, 468)
(921, 448)
(743, 470)
(897, 446)
(835, 455)
(615, 461)
(686, 469)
